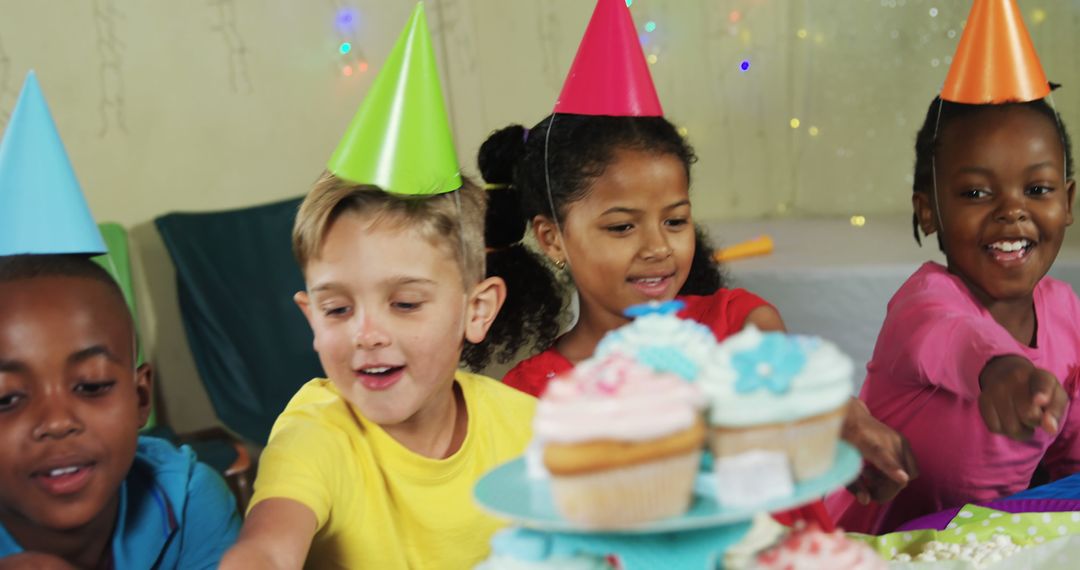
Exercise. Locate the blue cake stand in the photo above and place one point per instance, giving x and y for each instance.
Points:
(696, 539)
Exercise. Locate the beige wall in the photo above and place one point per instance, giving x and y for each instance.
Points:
(205, 105)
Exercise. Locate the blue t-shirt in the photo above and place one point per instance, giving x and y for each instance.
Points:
(175, 513)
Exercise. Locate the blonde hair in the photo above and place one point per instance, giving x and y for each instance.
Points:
(454, 220)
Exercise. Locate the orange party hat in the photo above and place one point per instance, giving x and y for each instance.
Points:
(995, 61)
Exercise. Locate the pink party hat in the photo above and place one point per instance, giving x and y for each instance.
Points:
(609, 75)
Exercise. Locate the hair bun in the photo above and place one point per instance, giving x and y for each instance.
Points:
(500, 153)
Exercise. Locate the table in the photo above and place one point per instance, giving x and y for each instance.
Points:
(830, 278)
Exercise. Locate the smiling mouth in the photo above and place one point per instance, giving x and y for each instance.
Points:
(378, 377)
(1008, 250)
(64, 480)
(379, 370)
(654, 286)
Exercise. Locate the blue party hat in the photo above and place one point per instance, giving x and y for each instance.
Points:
(42, 208)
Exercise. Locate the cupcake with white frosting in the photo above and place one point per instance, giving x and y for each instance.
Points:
(659, 339)
(779, 393)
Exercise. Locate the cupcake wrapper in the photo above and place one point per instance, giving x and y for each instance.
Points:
(810, 444)
(617, 498)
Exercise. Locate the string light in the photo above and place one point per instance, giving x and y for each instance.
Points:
(794, 123)
(650, 26)
(346, 19)
(345, 48)
(813, 131)
(745, 65)
(802, 33)
(629, 3)
(858, 221)
(652, 59)
(933, 12)
(1038, 16)
(346, 71)
(362, 66)
(683, 131)
(734, 16)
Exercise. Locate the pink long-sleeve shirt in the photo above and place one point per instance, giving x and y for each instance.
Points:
(923, 381)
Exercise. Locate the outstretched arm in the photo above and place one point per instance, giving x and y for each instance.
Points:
(276, 535)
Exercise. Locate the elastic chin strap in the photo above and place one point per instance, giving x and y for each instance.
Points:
(1064, 149)
(547, 189)
(933, 172)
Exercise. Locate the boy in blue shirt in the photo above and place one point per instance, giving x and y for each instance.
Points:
(79, 488)
(76, 481)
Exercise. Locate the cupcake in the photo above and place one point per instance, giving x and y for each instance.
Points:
(779, 393)
(659, 339)
(621, 442)
(520, 549)
(812, 549)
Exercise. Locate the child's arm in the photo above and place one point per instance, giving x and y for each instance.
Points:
(276, 535)
(1017, 397)
(887, 452)
(766, 318)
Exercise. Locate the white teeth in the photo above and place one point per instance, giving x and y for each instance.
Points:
(63, 471)
(650, 280)
(379, 370)
(1010, 246)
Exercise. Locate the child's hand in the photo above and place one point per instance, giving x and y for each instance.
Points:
(35, 560)
(891, 463)
(1017, 397)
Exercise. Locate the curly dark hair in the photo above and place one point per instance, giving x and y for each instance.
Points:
(567, 153)
(941, 114)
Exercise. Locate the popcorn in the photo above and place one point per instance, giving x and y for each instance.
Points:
(979, 554)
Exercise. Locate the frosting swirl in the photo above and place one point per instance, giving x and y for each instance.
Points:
(663, 342)
(615, 398)
(757, 378)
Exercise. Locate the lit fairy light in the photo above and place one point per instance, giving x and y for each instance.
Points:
(683, 131)
(813, 131)
(345, 48)
(346, 71)
(346, 19)
(652, 59)
(650, 26)
(734, 16)
(1038, 16)
(629, 3)
(802, 34)
(362, 66)
(858, 221)
(933, 12)
(744, 65)
(794, 122)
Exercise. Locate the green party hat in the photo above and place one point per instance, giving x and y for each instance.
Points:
(400, 138)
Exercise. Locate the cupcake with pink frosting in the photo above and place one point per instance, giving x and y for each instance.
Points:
(812, 549)
(621, 442)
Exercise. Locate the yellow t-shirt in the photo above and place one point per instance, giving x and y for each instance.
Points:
(378, 504)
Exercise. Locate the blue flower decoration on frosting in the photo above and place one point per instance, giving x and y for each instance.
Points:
(668, 359)
(654, 307)
(771, 365)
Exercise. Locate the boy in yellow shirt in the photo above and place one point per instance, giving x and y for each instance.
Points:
(374, 466)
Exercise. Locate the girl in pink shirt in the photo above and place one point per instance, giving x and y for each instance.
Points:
(976, 360)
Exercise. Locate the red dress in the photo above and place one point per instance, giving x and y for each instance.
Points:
(725, 313)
